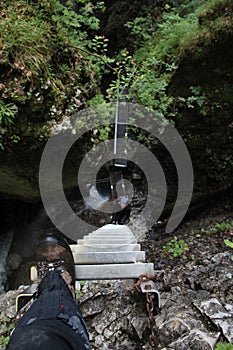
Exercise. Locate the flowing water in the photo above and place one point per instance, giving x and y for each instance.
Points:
(95, 200)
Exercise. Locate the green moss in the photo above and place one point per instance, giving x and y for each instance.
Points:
(44, 59)
(177, 38)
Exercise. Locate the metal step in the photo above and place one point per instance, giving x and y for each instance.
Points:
(104, 247)
(112, 271)
(110, 252)
(107, 241)
(108, 258)
(110, 234)
(113, 228)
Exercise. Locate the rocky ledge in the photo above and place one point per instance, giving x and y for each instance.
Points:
(195, 286)
(196, 309)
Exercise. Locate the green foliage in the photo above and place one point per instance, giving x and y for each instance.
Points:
(78, 292)
(7, 113)
(59, 42)
(224, 346)
(196, 101)
(218, 227)
(176, 248)
(124, 72)
(75, 25)
(25, 36)
(49, 51)
(104, 132)
(4, 340)
(229, 244)
(177, 32)
(6, 329)
(141, 28)
(99, 56)
(159, 60)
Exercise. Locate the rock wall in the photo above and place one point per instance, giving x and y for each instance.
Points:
(196, 308)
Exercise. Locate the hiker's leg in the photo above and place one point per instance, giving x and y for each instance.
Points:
(45, 335)
(54, 321)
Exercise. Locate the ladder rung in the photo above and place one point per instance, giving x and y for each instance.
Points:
(104, 247)
(109, 234)
(112, 271)
(108, 258)
(107, 241)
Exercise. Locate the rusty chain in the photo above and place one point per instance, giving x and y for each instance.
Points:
(153, 337)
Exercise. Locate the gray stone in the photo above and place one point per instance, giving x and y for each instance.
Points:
(195, 340)
(213, 309)
(219, 315)
(138, 324)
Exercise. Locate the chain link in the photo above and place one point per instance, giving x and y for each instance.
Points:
(153, 337)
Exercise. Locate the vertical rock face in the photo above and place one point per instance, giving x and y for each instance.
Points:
(207, 131)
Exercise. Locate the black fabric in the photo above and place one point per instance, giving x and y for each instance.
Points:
(45, 335)
(54, 317)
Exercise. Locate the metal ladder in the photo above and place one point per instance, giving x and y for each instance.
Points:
(110, 252)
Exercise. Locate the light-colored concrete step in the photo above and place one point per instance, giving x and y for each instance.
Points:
(107, 241)
(112, 271)
(104, 247)
(108, 258)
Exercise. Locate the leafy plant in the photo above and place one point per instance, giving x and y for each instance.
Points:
(229, 244)
(224, 346)
(51, 51)
(78, 292)
(218, 227)
(6, 329)
(196, 100)
(25, 37)
(124, 72)
(176, 248)
(7, 112)
(177, 32)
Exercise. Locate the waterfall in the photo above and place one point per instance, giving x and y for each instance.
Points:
(5, 243)
(95, 200)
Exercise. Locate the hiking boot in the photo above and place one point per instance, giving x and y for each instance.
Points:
(53, 253)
